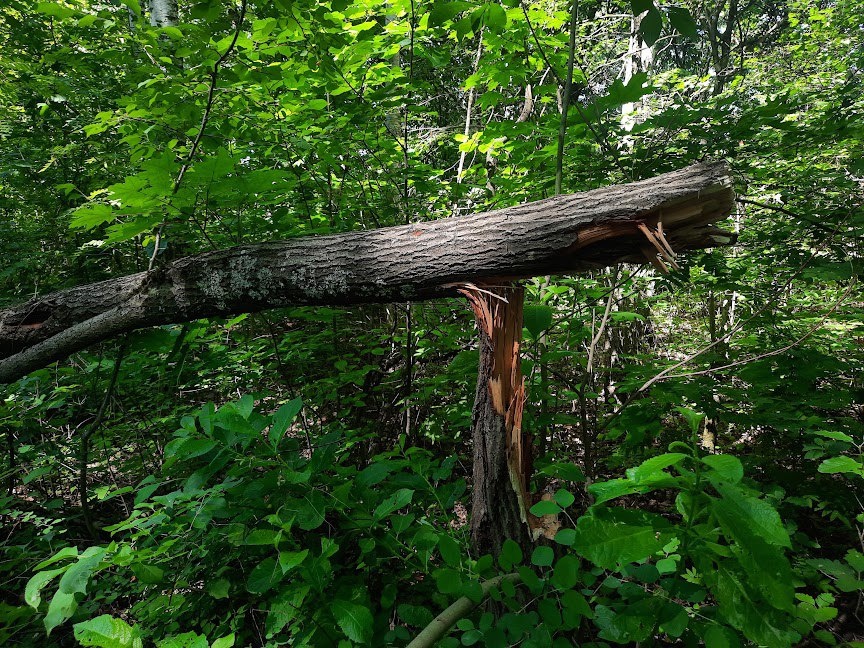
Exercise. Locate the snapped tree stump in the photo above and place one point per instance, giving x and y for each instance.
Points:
(468, 255)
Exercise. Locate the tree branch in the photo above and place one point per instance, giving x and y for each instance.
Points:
(412, 262)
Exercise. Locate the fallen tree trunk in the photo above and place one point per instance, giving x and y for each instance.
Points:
(566, 234)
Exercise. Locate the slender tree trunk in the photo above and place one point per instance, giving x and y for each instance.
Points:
(163, 13)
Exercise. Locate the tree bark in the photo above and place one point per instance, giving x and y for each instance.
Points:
(564, 234)
(163, 13)
(502, 455)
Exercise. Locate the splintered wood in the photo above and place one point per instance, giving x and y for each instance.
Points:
(498, 311)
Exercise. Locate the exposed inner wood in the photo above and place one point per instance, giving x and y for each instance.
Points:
(502, 453)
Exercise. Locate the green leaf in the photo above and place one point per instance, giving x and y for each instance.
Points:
(61, 607)
(34, 587)
(495, 16)
(650, 468)
(727, 466)
(683, 22)
(450, 550)
(563, 498)
(218, 589)
(614, 536)
(224, 642)
(568, 471)
(288, 560)
(90, 216)
(444, 11)
(264, 576)
(741, 513)
(355, 620)
(107, 632)
(414, 615)
(77, 576)
(510, 556)
(641, 6)
(542, 556)
(185, 640)
(399, 499)
(284, 609)
(55, 10)
(566, 537)
(448, 581)
(842, 464)
(148, 574)
(536, 318)
(566, 572)
(694, 419)
(545, 507)
(283, 417)
(651, 26)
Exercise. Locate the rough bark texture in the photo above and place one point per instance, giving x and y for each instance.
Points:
(559, 235)
(502, 457)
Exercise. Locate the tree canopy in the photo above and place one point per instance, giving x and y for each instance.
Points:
(298, 472)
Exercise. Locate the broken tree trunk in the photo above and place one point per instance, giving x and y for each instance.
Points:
(564, 234)
(502, 455)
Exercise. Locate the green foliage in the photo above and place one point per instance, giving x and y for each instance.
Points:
(304, 477)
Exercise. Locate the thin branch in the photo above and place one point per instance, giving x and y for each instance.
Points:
(768, 354)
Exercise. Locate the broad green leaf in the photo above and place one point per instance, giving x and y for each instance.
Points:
(185, 640)
(288, 560)
(842, 464)
(651, 26)
(90, 216)
(683, 22)
(727, 466)
(836, 436)
(564, 498)
(694, 419)
(285, 608)
(444, 11)
(566, 537)
(55, 10)
(147, 573)
(495, 16)
(61, 608)
(614, 536)
(218, 588)
(641, 6)
(759, 623)
(107, 632)
(448, 581)
(414, 615)
(740, 513)
(264, 576)
(400, 499)
(565, 575)
(568, 471)
(224, 642)
(545, 507)
(651, 467)
(283, 417)
(78, 574)
(355, 620)
(450, 550)
(536, 318)
(542, 556)
(510, 556)
(66, 552)
(37, 582)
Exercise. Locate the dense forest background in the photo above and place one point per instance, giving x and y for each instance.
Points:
(302, 476)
